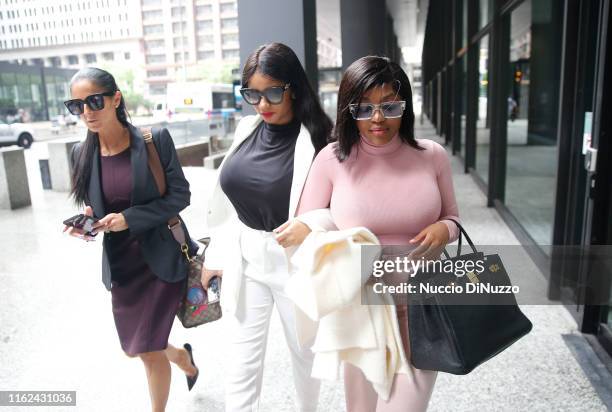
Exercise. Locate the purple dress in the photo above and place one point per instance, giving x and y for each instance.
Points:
(144, 306)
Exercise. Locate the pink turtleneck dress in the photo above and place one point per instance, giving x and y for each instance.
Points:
(395, 191)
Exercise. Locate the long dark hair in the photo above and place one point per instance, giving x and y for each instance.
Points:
(359, 77)
(278, 61)
(83, 160)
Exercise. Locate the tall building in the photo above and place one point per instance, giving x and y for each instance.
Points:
(158, 39)
(182, 33)
(70, 33)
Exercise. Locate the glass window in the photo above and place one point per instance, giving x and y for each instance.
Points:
(156, 58)
(108, 56)
(483, 123)
(229, 39)
(91, 58)
(229, 23)
(531, 122)
(8, 82)
(206, 41)
(486, 12)
(157, 73)
(222, 100)
(204, 10)
(178, 57)
(179, 27)
(152, 15)
(157, 89)
(462, 109)
(231, 54)
(153, 44)
(204, 25)
(464, 24)
(153, 29)
(24, 92)
(228, 7)
(179, 42)
(178, 11)
(206, 55)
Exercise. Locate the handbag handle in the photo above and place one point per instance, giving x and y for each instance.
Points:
(462, 233)
(155, 165)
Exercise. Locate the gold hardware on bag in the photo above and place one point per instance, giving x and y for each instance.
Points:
(472, 277)
(494, 268)
(185, 250)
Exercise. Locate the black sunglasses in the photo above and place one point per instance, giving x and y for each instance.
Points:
(273, 94)
(95, 102)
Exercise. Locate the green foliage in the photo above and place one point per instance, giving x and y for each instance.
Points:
(124, 76)
(135, 100)
(213, 71)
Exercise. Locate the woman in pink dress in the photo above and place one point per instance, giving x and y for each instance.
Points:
(376, 174)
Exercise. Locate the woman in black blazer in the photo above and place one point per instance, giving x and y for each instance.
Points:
(142, 264)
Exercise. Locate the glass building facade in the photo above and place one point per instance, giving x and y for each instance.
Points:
(32, 93)
(515, 87)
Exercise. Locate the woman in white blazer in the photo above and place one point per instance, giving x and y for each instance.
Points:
(259, 186)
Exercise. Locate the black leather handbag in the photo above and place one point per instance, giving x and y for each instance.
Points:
(451, 336)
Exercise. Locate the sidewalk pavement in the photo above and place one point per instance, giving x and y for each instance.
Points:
(57, 330)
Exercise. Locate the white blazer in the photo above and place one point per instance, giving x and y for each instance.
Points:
(355, 325)
(222, 220)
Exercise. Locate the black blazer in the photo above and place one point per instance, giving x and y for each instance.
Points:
(148, 215)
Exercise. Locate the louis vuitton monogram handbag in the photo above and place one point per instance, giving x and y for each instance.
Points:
(199, 305)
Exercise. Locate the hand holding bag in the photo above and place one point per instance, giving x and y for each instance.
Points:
(456, 338)
(195, 308)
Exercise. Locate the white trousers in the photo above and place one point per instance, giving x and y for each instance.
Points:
(265, 274)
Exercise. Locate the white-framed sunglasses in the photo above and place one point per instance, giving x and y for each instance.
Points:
(389, 110)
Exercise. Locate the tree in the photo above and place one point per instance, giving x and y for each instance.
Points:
(213, 71)
(124, 77)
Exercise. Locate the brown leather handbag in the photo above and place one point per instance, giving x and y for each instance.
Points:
(198, 305)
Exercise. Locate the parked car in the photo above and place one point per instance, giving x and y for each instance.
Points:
(16, 133)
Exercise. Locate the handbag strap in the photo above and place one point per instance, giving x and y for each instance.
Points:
(462, 233)
(155, 165)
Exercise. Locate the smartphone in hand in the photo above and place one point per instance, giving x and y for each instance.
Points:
(82, 222)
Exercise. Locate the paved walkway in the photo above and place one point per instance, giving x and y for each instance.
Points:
(57, 331)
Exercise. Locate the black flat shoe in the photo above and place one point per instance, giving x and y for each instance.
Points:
(191, 380)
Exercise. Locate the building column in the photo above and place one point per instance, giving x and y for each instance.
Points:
(64, 61)
(363, 29)
(290, 22)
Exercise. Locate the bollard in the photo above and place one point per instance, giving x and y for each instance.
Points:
(45, 174)
(14, 186)
(59, 163)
